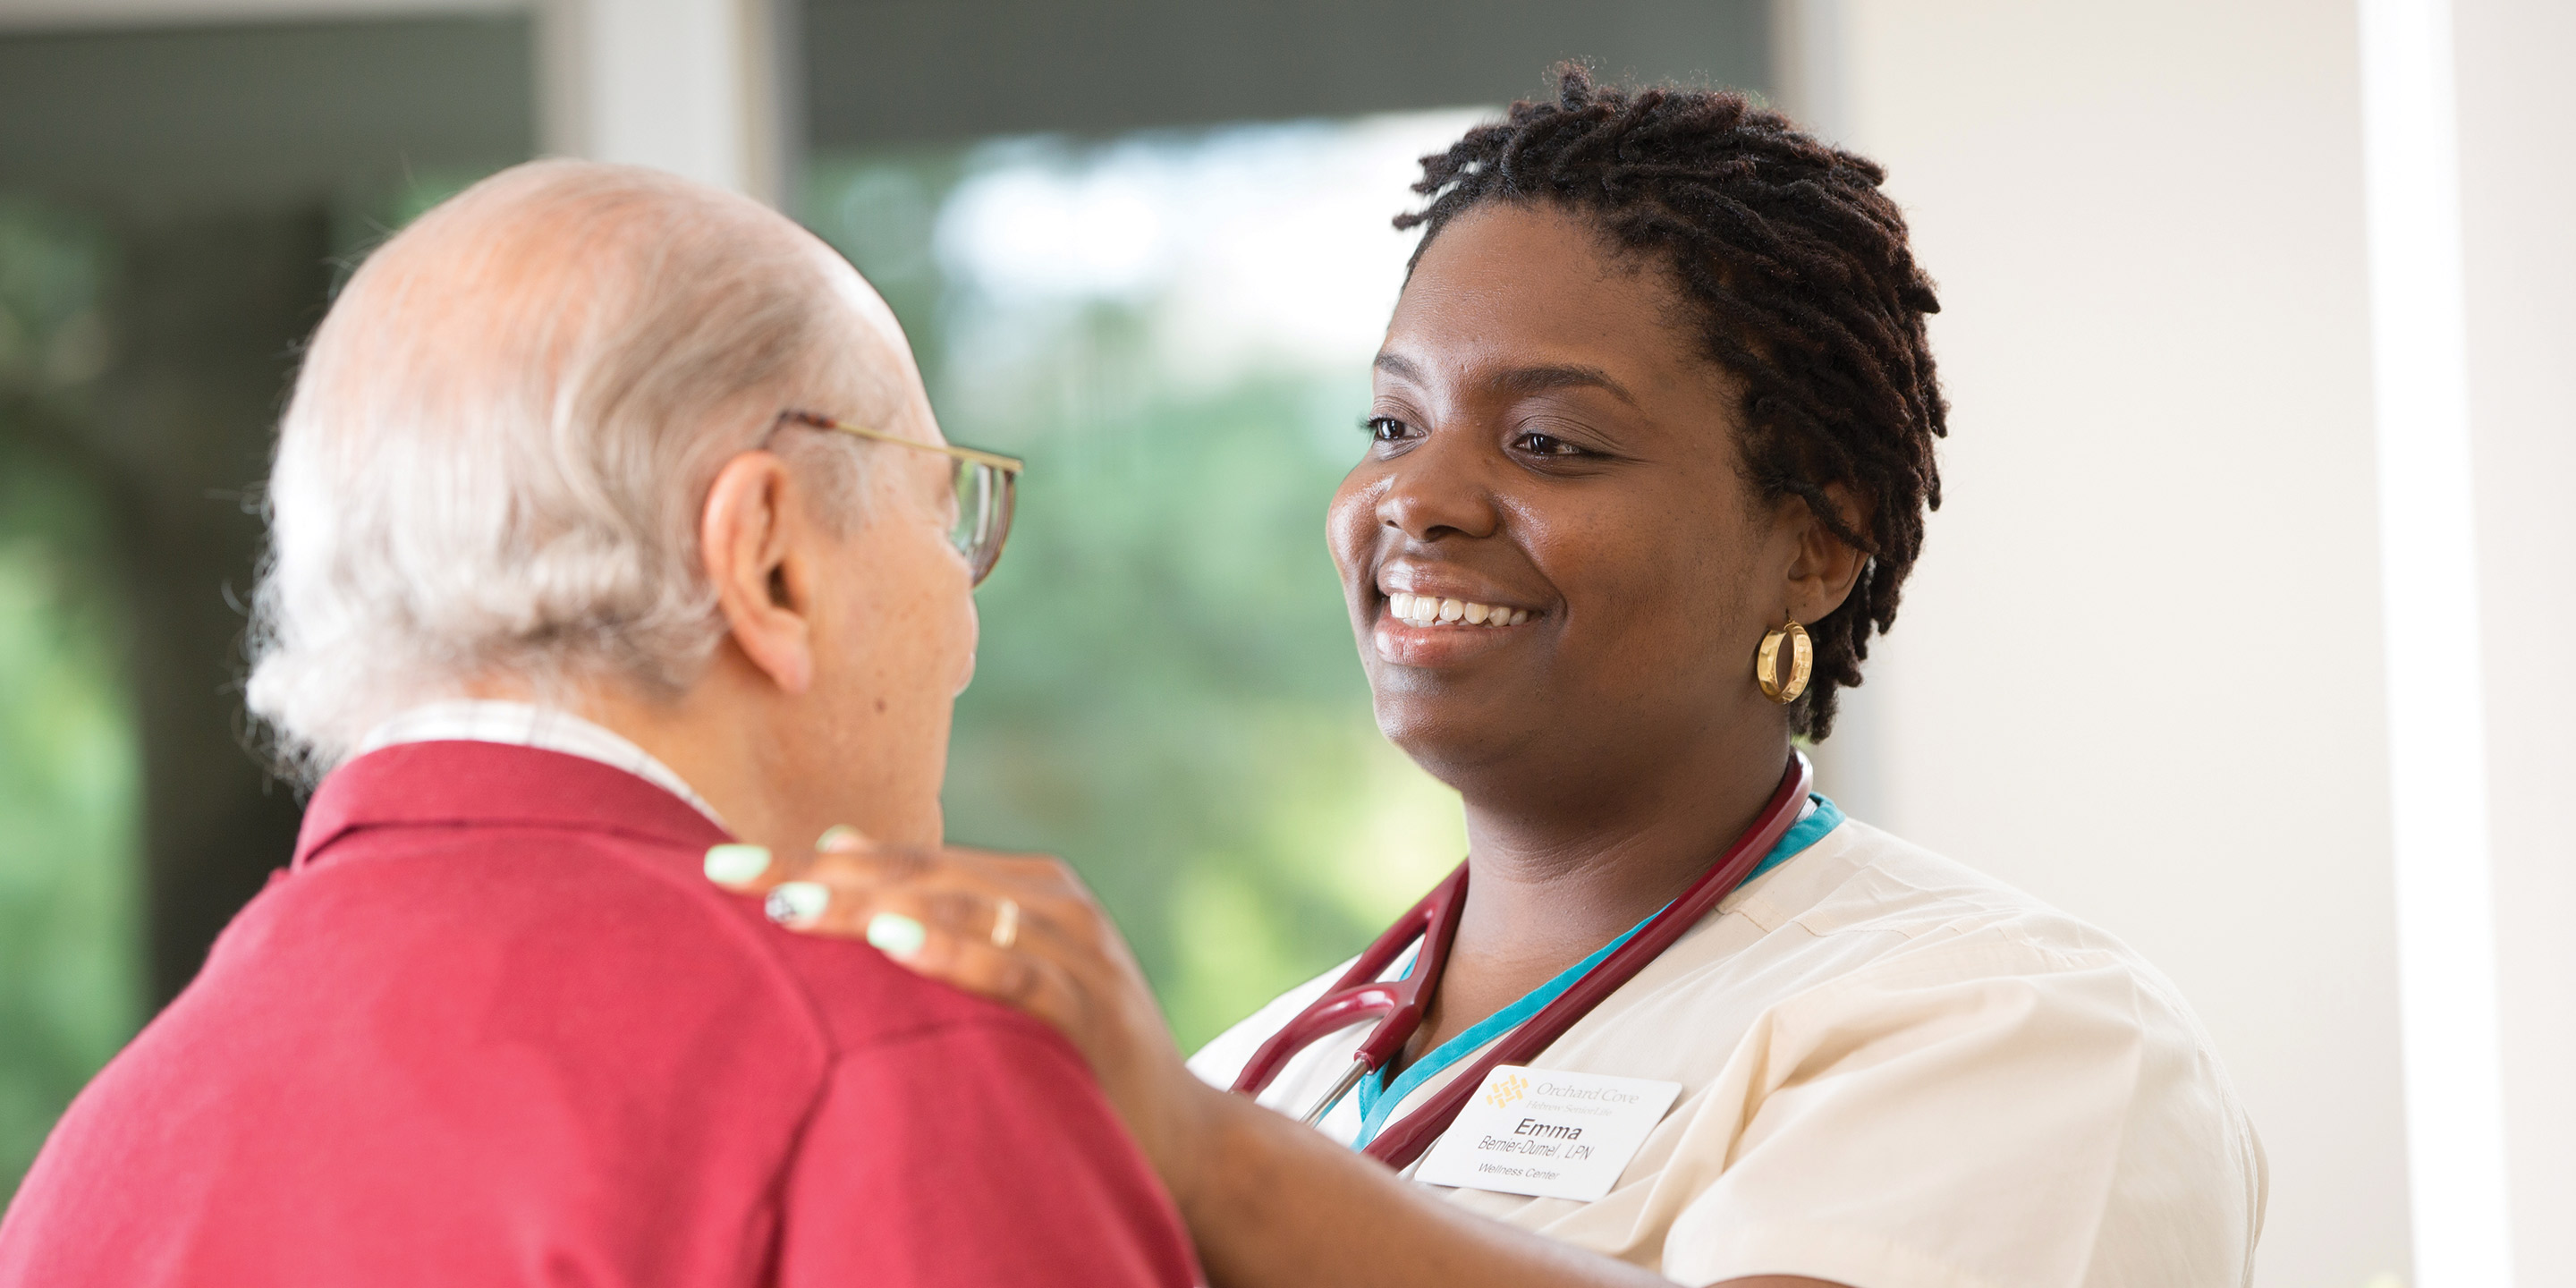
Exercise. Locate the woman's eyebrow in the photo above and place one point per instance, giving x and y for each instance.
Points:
(1398, 366)
(1525, 380)
(1532, 380)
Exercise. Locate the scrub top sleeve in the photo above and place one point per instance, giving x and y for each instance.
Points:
(974, 1155)
(1975, 1117)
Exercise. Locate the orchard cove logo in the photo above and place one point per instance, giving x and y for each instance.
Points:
(1505, 1090)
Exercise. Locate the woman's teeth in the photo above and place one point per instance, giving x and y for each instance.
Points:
(1432, 610)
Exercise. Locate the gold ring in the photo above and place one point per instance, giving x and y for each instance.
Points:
(1006, 922)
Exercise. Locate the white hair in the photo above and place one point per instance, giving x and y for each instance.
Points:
(502, 437)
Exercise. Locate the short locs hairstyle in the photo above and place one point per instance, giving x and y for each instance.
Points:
(1801, 285)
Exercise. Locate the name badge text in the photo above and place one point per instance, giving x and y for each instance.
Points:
(1548, 1133)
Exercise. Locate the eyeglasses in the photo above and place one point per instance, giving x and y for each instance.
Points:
(987, 483)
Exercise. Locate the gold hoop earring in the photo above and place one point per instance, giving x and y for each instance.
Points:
(1802, 661)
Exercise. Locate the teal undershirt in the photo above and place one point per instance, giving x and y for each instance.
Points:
(1378, 1100)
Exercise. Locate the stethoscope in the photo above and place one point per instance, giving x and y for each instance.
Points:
(1401, 1004)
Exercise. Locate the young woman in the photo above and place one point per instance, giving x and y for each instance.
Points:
(1653, 418)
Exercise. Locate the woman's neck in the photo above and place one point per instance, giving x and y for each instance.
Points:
(1554, 878)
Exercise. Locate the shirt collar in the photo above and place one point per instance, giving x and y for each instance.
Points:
(472, 783)
(522, 724)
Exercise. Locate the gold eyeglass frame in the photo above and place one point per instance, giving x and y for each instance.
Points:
(980, 558)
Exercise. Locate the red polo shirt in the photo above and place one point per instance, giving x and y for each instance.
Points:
(494, 1027)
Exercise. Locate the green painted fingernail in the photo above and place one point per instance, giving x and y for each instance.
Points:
(798, 902)
(735, 864)
(837, 837)
(895, 935)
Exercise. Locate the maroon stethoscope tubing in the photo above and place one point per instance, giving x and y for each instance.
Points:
(1359, 994)
(1400, 1004)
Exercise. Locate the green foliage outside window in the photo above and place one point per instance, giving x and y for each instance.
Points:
(69, 992)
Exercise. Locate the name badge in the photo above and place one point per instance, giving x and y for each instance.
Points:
(1547, 1133)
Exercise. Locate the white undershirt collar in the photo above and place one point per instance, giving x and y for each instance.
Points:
(521, 724)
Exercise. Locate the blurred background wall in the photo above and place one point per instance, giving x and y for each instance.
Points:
(177, 197)
(2144, 671)
(2139, 673)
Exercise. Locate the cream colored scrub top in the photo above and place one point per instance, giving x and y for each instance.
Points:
(1896, 1073)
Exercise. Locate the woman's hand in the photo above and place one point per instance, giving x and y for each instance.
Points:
(1018, 928)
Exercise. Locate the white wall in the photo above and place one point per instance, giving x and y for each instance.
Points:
(2518, 188)
(2139, 670)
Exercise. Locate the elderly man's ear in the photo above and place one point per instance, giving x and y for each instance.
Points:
(751, 534)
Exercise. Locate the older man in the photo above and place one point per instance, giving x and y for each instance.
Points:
(578, 591)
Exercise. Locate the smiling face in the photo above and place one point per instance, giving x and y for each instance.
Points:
(1556, 568)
